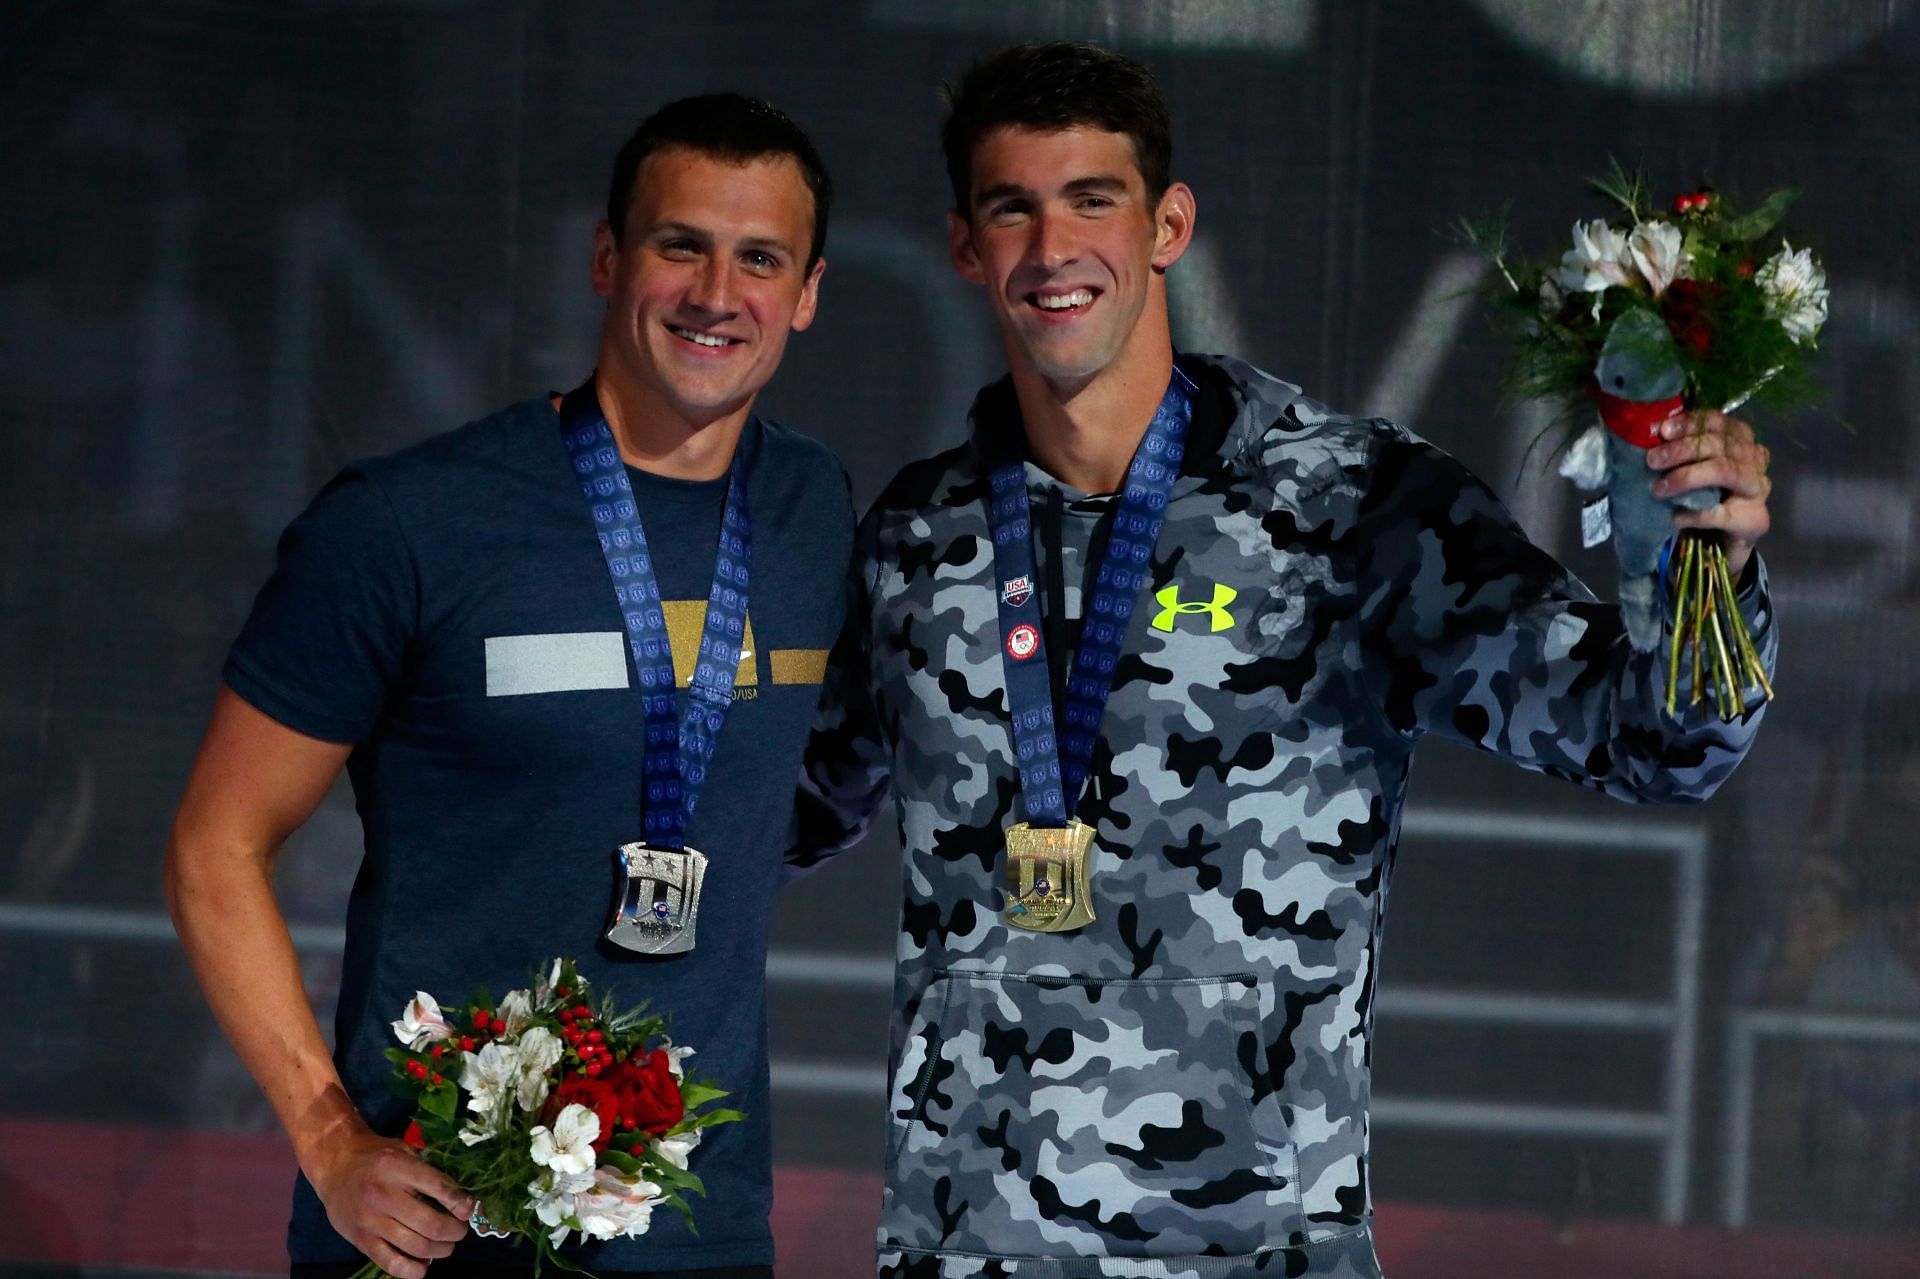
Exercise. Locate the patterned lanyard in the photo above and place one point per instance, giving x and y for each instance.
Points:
(679, 746)
(1051, 774)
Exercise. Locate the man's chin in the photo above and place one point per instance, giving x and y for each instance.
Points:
(1067, 368)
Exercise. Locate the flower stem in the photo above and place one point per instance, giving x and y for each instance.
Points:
(1724, 662)
(1674, 646)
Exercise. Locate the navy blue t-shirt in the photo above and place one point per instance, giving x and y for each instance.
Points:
(447, 611)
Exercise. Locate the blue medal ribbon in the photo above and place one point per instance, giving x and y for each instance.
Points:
(679, 744)
(1053, 767)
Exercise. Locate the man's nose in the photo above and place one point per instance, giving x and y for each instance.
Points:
(713, 288)
(1053, 244)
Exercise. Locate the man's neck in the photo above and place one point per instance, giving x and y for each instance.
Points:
(1085, 435)
(657, 439)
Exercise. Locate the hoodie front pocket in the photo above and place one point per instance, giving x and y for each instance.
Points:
(1069, 1116)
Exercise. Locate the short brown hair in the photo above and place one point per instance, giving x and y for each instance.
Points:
(727, 126)
(1057, 85)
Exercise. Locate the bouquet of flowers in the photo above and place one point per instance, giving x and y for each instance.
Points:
(555, 1111)
(1647, 315)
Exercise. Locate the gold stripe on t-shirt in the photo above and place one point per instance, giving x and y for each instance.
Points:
(685, 620)
(798, 665)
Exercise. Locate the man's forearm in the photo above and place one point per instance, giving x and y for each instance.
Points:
(237, 941)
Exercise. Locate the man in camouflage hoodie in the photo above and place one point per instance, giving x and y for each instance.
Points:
(1178, 1088)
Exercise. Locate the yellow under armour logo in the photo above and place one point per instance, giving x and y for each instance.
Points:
(1168, 598)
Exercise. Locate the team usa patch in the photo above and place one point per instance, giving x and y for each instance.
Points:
(1022, 642)
(1016, 592)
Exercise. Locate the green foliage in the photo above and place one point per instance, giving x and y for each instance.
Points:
(1625, 187)
(1762, 218)
(440, 1101)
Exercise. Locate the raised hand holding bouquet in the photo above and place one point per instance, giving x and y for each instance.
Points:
(557, 1113)
(1665, 323)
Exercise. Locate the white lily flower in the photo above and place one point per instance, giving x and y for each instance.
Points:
(516, 1010)
(674, 1057)
(1796, 291)
(677, 1148)
(544, 988)
(1655, 250)
(567, 1147)
(617, 1205)
(1597, 259)
(490, 1076)
(422, 1023)
(552, 1196)
(540, 1051)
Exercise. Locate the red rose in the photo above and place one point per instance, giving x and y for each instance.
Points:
(652, 1099)
(640, 1091)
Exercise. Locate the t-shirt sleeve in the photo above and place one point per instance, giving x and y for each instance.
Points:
(326, 641)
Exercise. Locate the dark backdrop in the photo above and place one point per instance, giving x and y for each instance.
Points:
(244, 243)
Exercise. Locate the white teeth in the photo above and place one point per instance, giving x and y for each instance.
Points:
(1065, 301)
(704, 339)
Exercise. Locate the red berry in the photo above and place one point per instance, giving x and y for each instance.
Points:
(466, 1043)
(1681, 203)
(438, 1080)
(594, 1069)
(559, 992)
(626, 1123)
(566, 1015)
(481, 1016)
(438, 1051)
(581, 1010)
(595, 1036)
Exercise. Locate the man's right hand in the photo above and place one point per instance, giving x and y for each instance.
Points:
(400, 1212)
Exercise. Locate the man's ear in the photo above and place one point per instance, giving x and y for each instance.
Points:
(960, 241)
(809, 297)
(1173, 225)
(605, 250)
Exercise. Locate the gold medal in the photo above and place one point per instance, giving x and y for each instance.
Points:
(1049, 877)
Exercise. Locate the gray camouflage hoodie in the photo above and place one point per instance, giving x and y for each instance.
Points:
(1180, 1089)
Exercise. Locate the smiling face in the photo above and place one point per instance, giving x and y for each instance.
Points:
(1069, 246)
(703, 286)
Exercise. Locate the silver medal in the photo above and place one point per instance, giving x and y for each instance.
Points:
(659, 899)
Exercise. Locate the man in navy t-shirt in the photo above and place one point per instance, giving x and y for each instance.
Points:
(446, 625)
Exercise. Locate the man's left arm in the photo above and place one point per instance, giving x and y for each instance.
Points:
(846, 777)
(1487, 640)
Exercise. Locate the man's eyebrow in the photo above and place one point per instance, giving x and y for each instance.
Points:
(705, 236)
(1100, 183)
(1104, 183)
(767, 242)
(682, 229)
(1002, 191)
